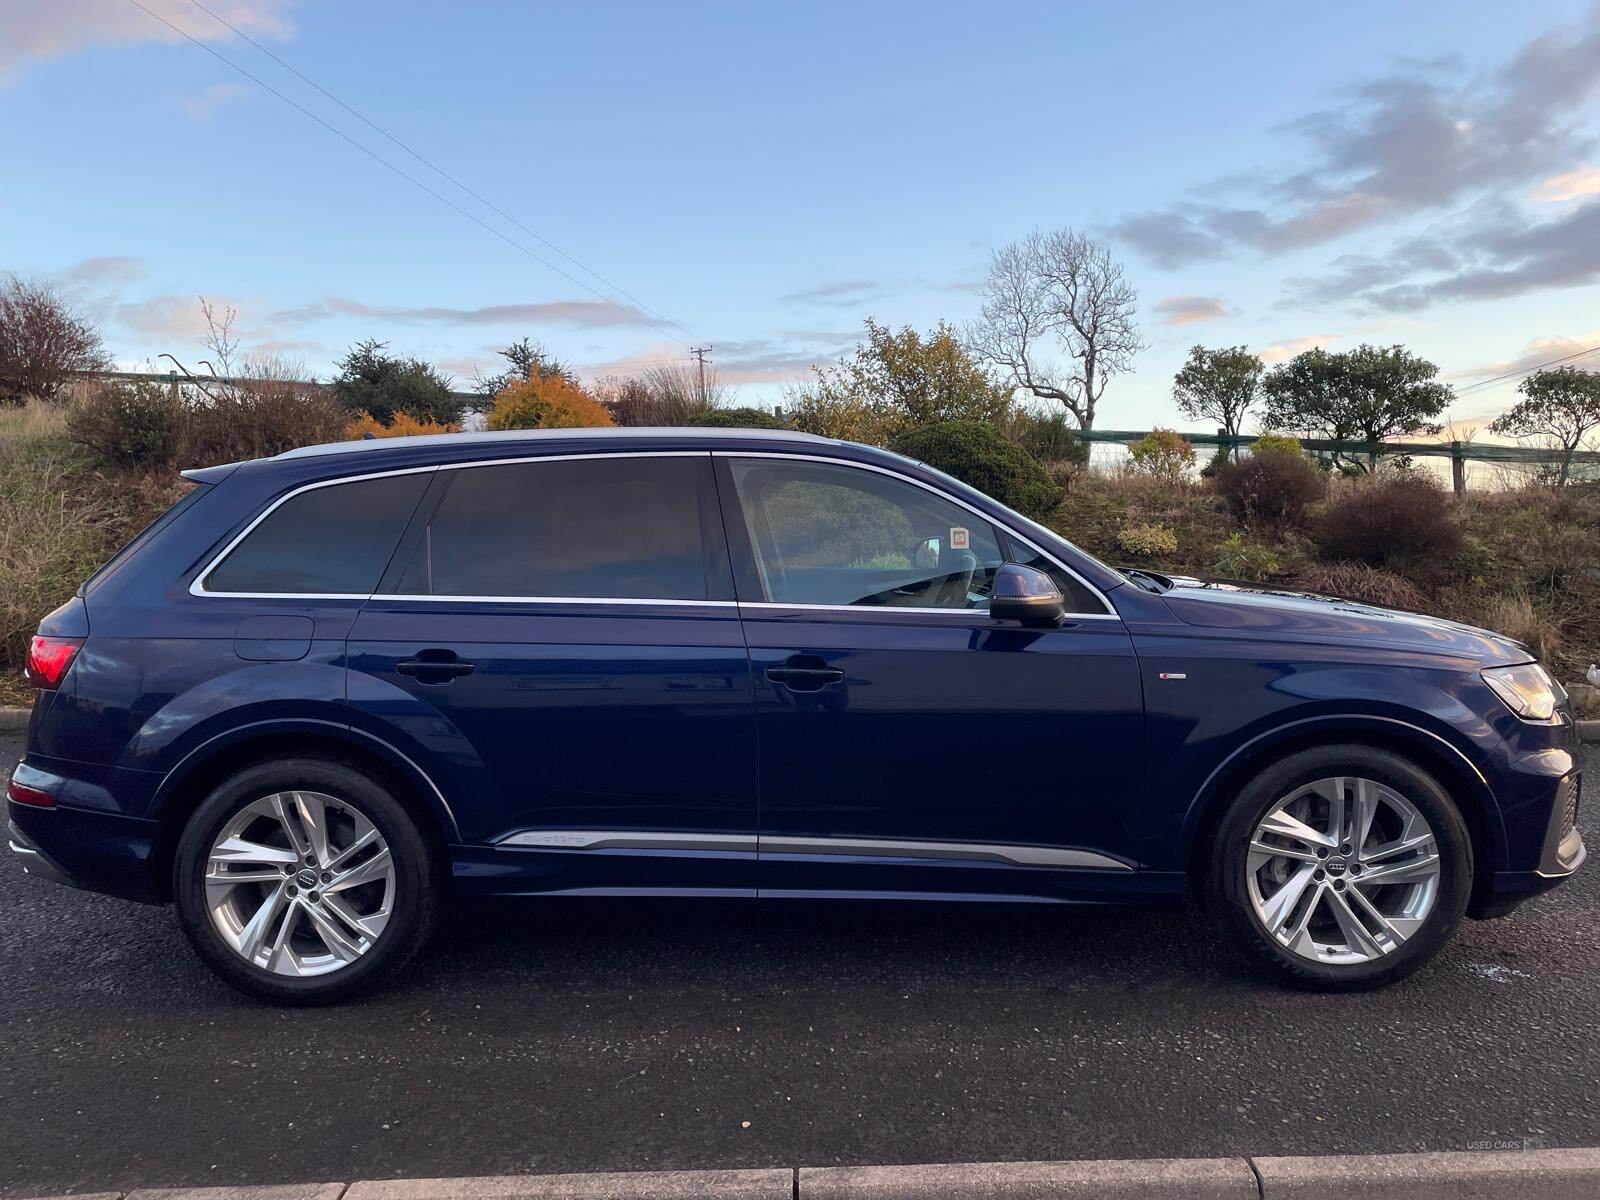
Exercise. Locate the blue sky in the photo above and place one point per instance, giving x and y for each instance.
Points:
(769, 175)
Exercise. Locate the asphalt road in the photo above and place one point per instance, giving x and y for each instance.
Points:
(570, 1038)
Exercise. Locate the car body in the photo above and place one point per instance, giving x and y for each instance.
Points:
(745, 734)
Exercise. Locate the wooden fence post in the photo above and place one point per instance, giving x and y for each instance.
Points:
(1458, 469)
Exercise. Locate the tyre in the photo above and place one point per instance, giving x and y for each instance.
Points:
(1340, 867)
(302, 881)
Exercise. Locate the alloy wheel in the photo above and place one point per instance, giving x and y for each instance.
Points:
(300, 883)
(1343, 870)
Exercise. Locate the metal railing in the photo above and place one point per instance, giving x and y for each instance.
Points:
(1458, 452)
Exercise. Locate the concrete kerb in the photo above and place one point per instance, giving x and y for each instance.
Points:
(1570, 1174)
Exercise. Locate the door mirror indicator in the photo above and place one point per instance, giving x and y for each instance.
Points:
(1026, 595)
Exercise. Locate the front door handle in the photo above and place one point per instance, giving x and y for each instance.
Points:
(804, 673)
(435, 666)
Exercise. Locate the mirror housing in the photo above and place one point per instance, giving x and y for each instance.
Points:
(1026, 595)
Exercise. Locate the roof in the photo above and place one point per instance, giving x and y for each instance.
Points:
(515, 436)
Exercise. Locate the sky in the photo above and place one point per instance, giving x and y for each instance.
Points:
(760, 178)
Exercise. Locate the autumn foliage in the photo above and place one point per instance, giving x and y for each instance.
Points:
(546, 402)
(403, 425)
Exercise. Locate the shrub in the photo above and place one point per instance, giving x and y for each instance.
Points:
(258, 419)
(1163, 455)
(1389, 520)
(1048, 436)
(666, 394)
(547, 402)
(43, 341)
(980, 456)
(129, 424)
(848, 416)
(1513, 613)
(1275, 443)
(1241, 558)
(1275, 487)
(403, 425)
(370, 380)
(1148, 540)
(737, 418)
(1357, 581)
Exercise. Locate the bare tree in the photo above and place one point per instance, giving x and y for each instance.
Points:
(43, 341)
(1058, 295)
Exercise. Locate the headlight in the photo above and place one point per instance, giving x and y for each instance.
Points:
(1527, 690)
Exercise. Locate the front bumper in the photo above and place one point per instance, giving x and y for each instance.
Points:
(1561, 853)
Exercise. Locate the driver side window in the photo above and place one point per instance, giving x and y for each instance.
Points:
(827, 534)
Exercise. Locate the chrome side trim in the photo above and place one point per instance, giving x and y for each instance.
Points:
(1111, 610)
(628, 839)
(624, 839)
(1019, 856)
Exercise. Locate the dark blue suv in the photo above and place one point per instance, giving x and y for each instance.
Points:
(330, 690)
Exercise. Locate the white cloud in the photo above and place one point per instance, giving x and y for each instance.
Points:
(214, 97)
(1285, 350)
(34, 30)
(1578, 184)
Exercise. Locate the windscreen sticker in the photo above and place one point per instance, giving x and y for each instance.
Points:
(958, 538)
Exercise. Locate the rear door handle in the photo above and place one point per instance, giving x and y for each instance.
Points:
(435, 666)
(803, 673)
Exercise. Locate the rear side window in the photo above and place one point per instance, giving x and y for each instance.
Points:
(630, 528)
(332, 540)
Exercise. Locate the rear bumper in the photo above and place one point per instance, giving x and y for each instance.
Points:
(95, 851)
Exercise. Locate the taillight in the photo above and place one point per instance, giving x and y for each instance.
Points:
(21, 793)
(49, 658)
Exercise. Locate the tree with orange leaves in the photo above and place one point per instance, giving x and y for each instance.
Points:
(546, 402)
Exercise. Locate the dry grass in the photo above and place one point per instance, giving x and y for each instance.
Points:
(35, 419)
(1357, 581)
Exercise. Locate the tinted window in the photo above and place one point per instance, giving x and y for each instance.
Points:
(329, 540)
(826, 534)
(623, 528)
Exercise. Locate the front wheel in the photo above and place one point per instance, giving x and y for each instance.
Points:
(302, 880)
(1342, 867)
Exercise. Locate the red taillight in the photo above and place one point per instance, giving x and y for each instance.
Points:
(21, 793)
(49, 658)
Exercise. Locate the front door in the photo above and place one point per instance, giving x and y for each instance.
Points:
(560, 634)
(909, 742)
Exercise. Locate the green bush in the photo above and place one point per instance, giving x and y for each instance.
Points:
(129, 424)
(737, 418)
(1048, 436)
(1242, 558)
(982, 457)
(1148, 540)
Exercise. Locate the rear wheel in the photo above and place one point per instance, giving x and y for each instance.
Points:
(1342, 867)
(302, 880)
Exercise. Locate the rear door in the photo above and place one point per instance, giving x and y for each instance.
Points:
(561, 634)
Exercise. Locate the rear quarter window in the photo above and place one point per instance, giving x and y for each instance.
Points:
(333, 539)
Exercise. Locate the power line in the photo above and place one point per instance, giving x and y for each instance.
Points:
(1483, 383)
(409, 178)
(481, 199)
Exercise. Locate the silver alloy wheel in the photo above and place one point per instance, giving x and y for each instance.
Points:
(300, 883)
(1343, 870)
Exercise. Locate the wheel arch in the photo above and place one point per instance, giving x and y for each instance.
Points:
(1433, 753)
(188, 783)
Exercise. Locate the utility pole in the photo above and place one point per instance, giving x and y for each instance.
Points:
(700, 353)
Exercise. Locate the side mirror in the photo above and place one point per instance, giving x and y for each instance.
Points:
(925, 553)
(1026, 595)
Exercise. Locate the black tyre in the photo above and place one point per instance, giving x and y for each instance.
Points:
(1341, 867)
(302, 881)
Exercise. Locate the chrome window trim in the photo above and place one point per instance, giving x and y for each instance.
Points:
(197, 588)
(1109, 615)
